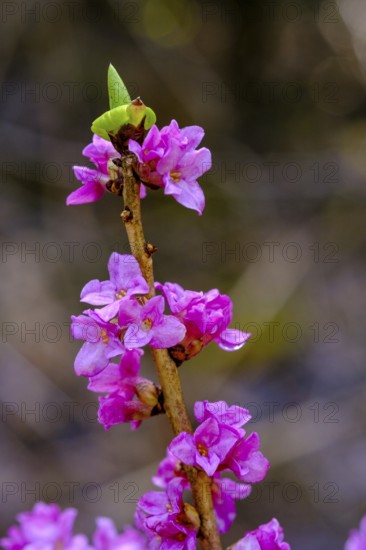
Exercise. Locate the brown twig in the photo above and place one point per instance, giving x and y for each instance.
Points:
(166, 368)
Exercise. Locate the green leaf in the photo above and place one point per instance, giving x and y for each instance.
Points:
(111, 121)
(131, 113)
(150, 118)
(137, 110)
(117, 91)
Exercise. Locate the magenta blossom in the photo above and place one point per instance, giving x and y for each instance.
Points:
(170, 468)
(246, 461)
(168, 522)
(101, 343)
(94, 182)
(233, 415)
(126, 280)
(225, 492)
(121, 408)
(147, 324)
(267, 537)
(108, 380)
(130, 398)
(169, 159)
(135, 399)
(180, 173)
(206, 317)
(219, 443)
(152, 148)
(207, 447)
(357, 537)
(106, 537)
(46, 527)
(189, 137)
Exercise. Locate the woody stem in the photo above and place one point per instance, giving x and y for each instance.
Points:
(166, 368)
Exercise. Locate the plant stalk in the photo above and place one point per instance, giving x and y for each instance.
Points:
(166, 368)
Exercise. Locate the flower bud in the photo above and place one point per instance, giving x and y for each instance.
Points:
(190, 515)
(147, 393)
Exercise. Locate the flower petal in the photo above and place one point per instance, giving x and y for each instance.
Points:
(232, 339)
(190, 195)
(183, 448)
(91, 359)
(136, 337)
(129, 312)
(126, 275)
(167, 333)
(98, 293)
(90, 192)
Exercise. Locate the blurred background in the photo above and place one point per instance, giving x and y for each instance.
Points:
(280, 89)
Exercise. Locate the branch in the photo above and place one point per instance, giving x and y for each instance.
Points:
(166, 368)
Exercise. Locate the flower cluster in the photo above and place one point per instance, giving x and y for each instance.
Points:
(218, 445)
(46, 527)
(126, 321)
(166, 159)
(168, 521)
(130, 398)
(206, 316)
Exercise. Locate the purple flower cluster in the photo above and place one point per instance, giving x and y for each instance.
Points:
(218, 445)
(126, 321)
(168, 521)
(267, 537)
(130, 398)
(46, 527)
(166, 159)
(206, 316)
(357, 537)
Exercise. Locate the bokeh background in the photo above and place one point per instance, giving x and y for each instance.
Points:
(280, 89)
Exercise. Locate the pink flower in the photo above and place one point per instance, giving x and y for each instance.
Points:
(169, 468)
(266, 537)
(206, 317)
(206, 448)
(225, 492)
(169, 159)
(46, 527)
(94, 182)
(126, 280)
(246, 461)
(168, 522)
(357, 537)
(147, 324)
(101, 343)
(130, 398)
(219, 443)
(233, 415)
